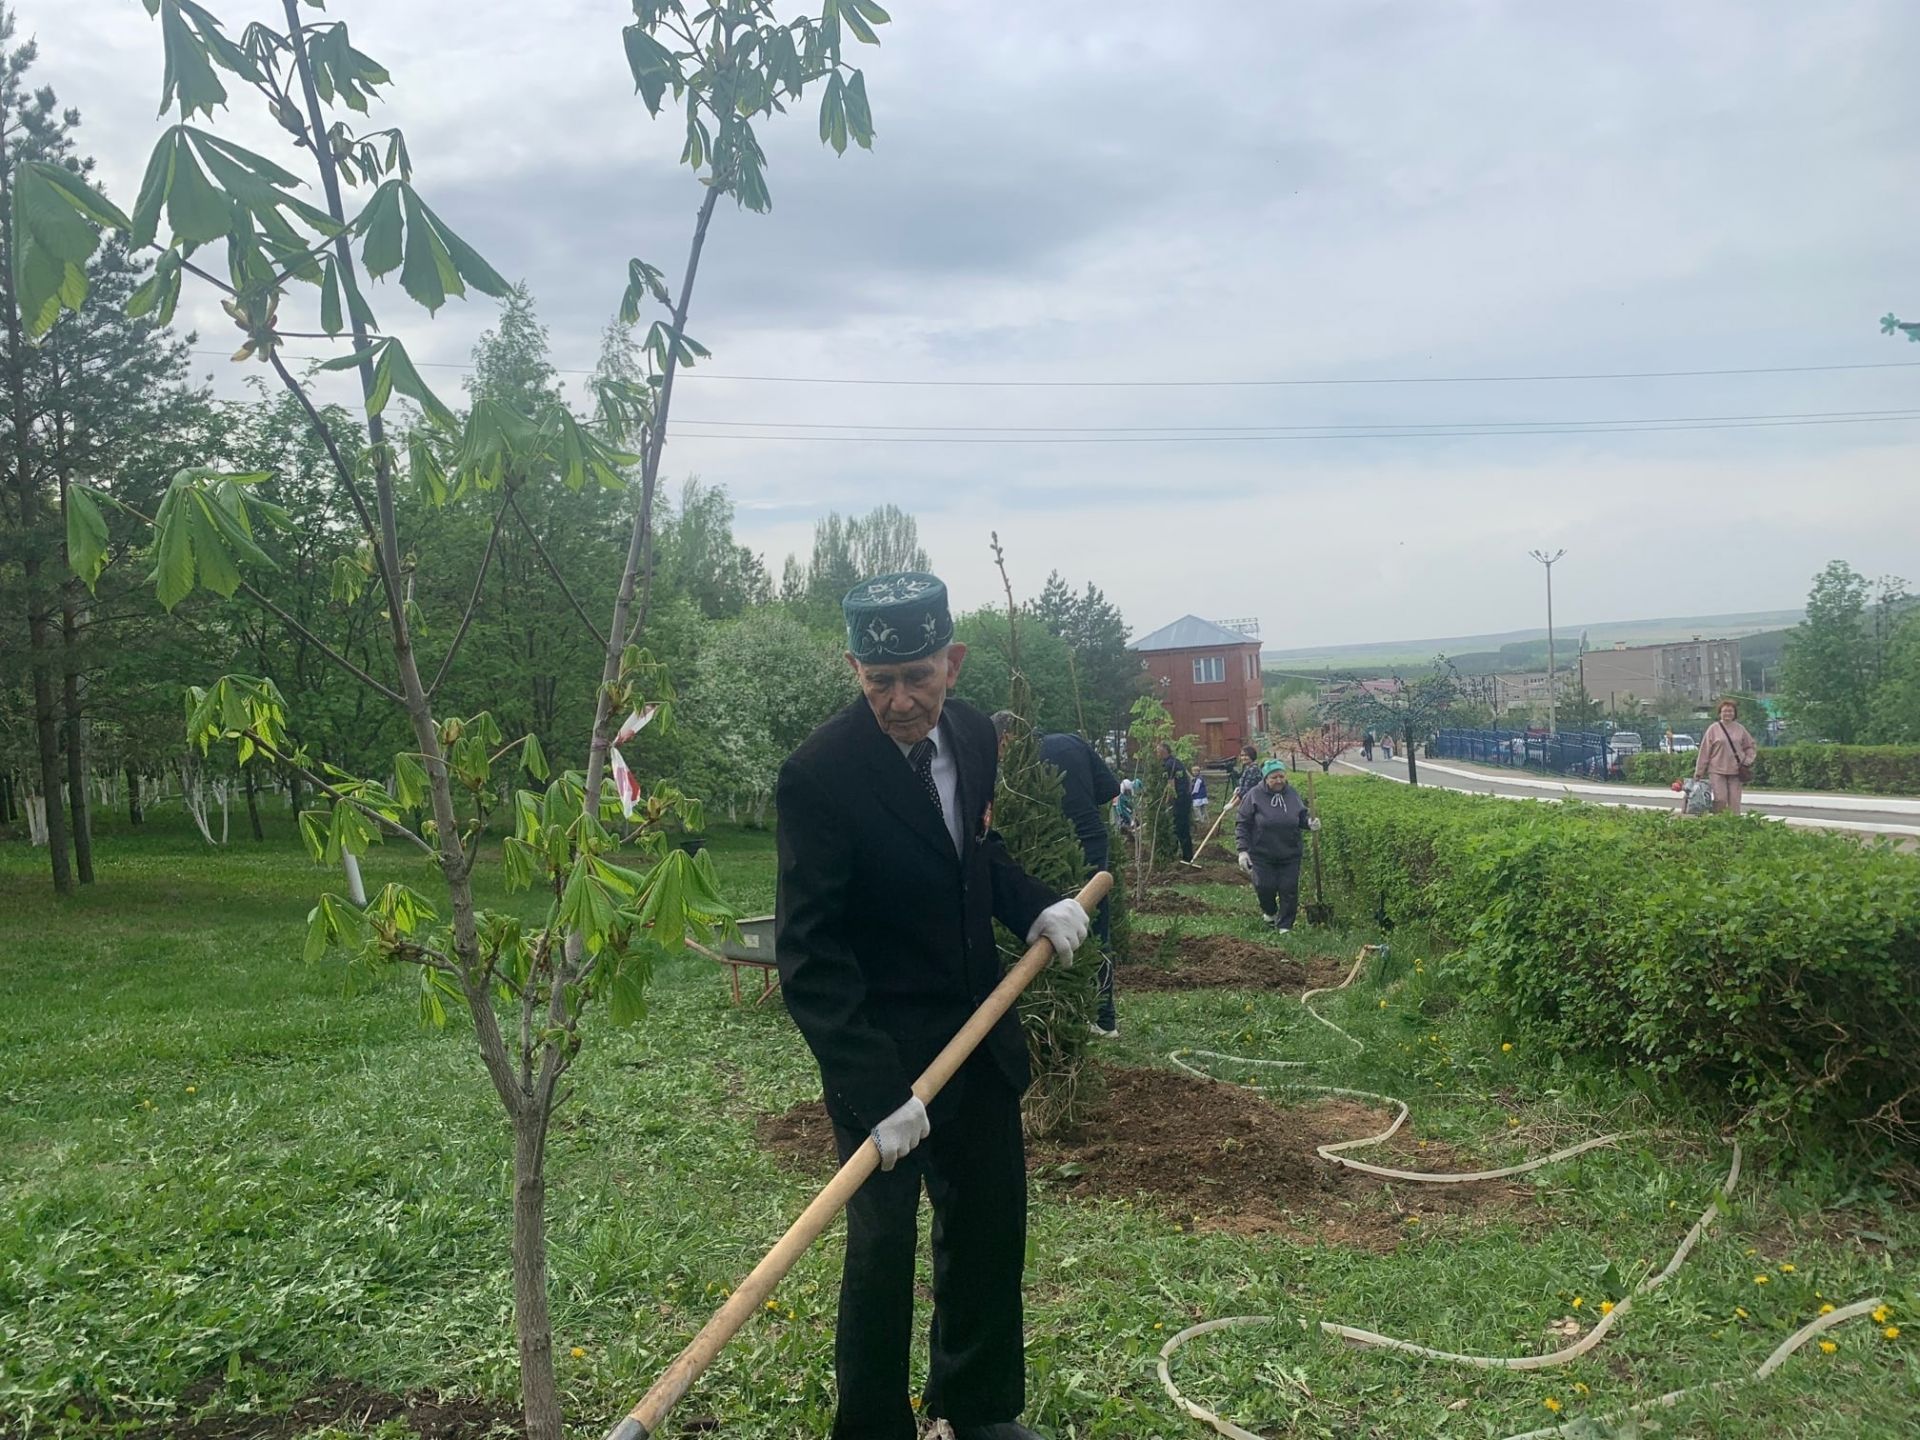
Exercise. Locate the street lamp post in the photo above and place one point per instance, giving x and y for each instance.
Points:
(1553, 688)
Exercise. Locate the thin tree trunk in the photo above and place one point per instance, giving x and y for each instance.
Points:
(539, 1391)
(253, 804)
(1413, 769)
(7, 814)
(78, 800)
(39, 637)
(135, 815)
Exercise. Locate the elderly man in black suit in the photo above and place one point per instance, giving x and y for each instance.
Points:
(890, 879)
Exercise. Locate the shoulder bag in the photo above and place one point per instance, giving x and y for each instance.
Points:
(1746, 770)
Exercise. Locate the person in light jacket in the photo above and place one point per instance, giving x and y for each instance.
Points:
(1725, 757)
(1270, 831)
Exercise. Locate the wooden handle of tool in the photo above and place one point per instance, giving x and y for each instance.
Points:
(751, 1293)
(1211, 832)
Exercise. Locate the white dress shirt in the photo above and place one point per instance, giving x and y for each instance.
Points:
(946, 779)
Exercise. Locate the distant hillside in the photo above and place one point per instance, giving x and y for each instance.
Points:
(1527, 649)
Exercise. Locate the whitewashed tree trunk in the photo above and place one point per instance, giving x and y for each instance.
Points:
(356, 888)
(223, 792)
(36, 820)
(193, 797)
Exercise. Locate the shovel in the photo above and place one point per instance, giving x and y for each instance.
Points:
(1212, 830)
(644, 1421)
(1318, 911)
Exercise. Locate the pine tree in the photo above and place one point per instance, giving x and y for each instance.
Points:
(1058, 1008)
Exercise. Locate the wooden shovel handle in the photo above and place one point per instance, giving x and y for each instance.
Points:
(751, 1293)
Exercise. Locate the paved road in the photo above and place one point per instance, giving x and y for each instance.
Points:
(1864, 814)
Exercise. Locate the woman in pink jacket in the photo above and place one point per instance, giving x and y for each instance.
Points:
(1725, 760)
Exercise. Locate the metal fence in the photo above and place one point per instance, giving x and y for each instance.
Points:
(1570, 752)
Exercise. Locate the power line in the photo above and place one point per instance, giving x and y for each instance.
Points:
(699, 375)
(1408, 434)
(1174, 431)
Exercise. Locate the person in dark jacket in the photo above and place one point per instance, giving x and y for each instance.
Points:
(1179, 797)
(1088, 783)
(1249, 773)
(888, 886)
(1269, 832)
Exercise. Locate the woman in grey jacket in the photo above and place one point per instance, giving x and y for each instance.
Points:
(1270, 830)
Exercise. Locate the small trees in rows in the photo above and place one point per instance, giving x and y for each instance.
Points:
(526, 986)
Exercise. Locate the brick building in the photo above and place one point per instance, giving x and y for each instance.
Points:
(1208, 676)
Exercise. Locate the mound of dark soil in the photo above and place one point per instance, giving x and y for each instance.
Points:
(1207, 869)
(1218, 1157)
(341, 1404)
(1224, 962)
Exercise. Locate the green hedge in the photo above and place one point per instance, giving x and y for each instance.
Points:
(1777, 967)
(1870, 769)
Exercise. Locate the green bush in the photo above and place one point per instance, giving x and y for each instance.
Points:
(1870, 769)
(1778, 968)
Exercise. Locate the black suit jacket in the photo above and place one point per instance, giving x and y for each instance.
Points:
(883, 933)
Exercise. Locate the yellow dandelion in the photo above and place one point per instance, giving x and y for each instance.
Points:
(1506, 1047)
(1880, 1313)
(1740, 1311)
(1383, 1004)
(1786, 1269)
(1413, 1219)
(1763, 1279)
(1513, 1122)
(1158, 1326)
(791, 1315)
(1606, 1307)
(773, 1304)
(578, 1352)
(1827, 1347)
(1551, 1404)
(1892, 1332)
(193, 1089)
(1578, 1302)
(1826, 1309)
(915, 1402)
(1580, 1388)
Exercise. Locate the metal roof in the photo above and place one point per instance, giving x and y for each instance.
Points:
(1190, 632)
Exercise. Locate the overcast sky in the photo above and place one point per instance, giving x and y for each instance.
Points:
(1110, 191)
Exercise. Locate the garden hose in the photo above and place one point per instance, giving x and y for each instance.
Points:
(1335, 1154)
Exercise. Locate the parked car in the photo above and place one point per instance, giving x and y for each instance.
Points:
(1624, 743)
(1678, 744)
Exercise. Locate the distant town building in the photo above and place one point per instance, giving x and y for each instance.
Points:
(1207, 674)
(1523, 693)
(1688, 672)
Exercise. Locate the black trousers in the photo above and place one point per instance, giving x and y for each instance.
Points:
(1277, 883)
(974, 1167)
(1183, 829)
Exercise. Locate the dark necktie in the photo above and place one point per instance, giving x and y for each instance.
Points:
(921, 758)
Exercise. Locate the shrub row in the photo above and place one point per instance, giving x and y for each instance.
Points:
(1778, 968)
(1873, 769)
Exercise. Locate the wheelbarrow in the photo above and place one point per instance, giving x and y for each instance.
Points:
(753, 950)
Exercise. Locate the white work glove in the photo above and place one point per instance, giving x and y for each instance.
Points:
(901, 1131)
(1313, 822)
(1065, 924)
(1246, 862)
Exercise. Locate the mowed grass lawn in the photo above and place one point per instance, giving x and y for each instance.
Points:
(227, 1179)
